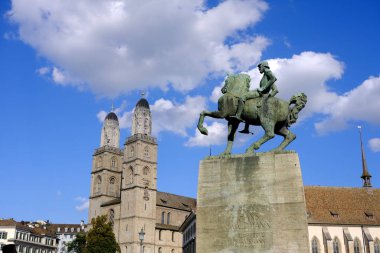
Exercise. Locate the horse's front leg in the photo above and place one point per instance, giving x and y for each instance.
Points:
(215, 114)
(232, 127)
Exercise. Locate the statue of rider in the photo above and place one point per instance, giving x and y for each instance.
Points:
(267, 88)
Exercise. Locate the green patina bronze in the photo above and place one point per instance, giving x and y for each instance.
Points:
(258, 107)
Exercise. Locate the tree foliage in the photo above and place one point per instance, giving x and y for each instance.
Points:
(100, 238)
(78, 244)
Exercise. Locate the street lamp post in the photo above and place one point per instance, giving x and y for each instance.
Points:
(141, 237)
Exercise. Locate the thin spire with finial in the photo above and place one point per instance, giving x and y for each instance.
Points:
(112, 107)
(143, 94)
(365, 176)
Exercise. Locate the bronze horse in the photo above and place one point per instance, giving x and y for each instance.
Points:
(273, 114)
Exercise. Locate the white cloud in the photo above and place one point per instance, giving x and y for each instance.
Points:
(307, 72)
(174, 117)
(83, 205)
(101, 115)
(43, 71)
(217, 135)
(374, 144)
(359, 104)
(58, 76)
(112, 47)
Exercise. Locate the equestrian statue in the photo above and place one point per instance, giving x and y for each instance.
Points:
(258, 107)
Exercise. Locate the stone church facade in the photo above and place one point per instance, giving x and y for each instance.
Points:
(124, 187)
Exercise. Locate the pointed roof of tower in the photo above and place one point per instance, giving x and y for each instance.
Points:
(143, 102)
(111, 116)
(365, 175)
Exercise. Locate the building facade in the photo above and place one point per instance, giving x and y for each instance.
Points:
(66, 233)
(28, 237)
(124, 187)
(38, 237)
(343, 220)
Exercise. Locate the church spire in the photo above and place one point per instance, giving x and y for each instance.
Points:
(365, 176)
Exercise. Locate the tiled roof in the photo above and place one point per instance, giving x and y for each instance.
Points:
(338, 205)
(175, 201)
(36, 229)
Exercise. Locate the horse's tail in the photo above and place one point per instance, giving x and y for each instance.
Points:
(299, 101)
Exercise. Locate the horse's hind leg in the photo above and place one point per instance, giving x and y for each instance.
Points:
(269, 134)
(288, 138)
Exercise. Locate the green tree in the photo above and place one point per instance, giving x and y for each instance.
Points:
(100, 238)
(78, 244)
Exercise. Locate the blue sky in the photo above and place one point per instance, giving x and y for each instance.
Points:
(63, 64)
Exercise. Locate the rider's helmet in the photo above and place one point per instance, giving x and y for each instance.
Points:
(264, 64)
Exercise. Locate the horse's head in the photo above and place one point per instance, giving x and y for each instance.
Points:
(237, 84)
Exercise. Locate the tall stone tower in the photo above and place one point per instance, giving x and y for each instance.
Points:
(106, 167)
(138, 191)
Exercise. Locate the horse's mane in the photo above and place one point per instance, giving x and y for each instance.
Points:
(237, 84)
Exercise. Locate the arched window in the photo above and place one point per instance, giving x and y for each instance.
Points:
(146, 151)
(160, 235)
(168, 219)
(112, 186)
(377, 246)
(126, 249)
(159, 250)
(356, 246)
(172, 250)
(111, 216)
(129, 179)
(173, 236)
(163, 218)
(336, 245)
(113, 162)
(98, 184)
(132, 152)
(314, 245)
(146, 171)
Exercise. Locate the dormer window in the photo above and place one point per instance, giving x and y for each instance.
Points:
(334, 214)
(369, 215)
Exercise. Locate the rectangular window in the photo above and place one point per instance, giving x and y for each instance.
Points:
(3, 235)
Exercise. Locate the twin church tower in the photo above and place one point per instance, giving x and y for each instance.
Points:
(124, 187)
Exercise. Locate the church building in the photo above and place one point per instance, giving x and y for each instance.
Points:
(124, 187)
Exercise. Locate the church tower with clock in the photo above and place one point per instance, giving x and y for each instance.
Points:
(139, 188)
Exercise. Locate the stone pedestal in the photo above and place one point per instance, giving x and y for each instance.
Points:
(251, 204)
